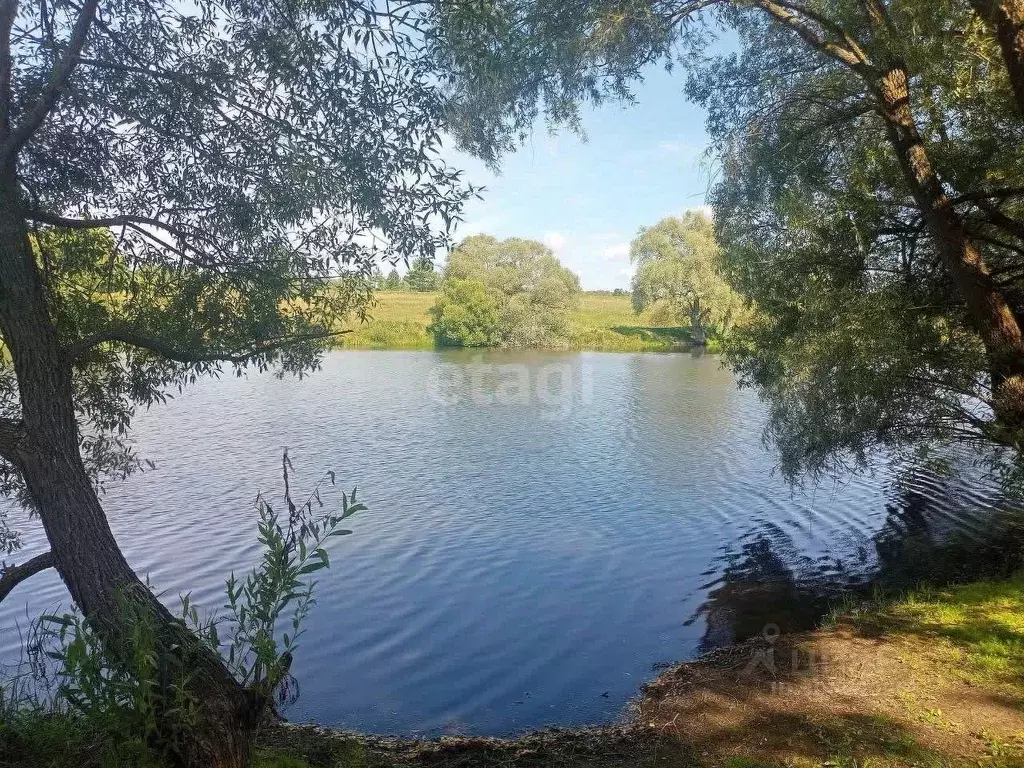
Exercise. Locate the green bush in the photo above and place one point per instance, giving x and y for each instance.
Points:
(504, 293)
(68, 696)
(465, 315)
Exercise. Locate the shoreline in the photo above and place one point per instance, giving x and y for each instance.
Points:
(708, 351)
(603, 322)
(932, 679)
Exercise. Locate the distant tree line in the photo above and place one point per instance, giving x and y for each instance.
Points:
(421, 277)
(515, 292)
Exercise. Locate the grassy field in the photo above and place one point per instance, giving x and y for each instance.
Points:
(602, 322)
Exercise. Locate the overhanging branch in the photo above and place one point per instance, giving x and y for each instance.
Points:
(58, 81)
(184, 355)
(143, 225)
(1001, 220)
(8, 13)
(788, 14)
(41, 217)
(13, 575)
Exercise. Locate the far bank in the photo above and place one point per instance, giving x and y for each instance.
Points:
(601, 322)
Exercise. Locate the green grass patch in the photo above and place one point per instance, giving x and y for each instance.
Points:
(984, 621)
(271, 758)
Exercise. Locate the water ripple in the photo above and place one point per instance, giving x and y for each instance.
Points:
(523, 564)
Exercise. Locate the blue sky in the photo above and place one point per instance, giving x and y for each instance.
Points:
(586, 199)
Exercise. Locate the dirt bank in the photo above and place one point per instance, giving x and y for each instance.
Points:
(934, 680)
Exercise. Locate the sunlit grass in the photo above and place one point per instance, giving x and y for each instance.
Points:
(399, 320)
(266, 758)
(984, 621)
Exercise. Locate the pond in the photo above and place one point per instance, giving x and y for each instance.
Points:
(544, 528)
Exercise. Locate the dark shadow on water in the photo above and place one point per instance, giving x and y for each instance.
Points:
(769, 581)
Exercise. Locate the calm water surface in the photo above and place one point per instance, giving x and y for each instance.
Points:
(543, 527)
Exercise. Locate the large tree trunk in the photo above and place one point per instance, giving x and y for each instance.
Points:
(45, 450)
(991, 313)
(697, 331)
(1006, 18)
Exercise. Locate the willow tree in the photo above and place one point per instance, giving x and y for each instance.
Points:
(864, 340)
(504, 293)
(678, 268)
(924, 93)
(1005, 22)
(180, 185)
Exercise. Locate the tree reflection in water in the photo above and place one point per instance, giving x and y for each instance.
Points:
(933, 533)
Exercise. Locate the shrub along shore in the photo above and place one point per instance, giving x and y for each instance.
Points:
(603, 321)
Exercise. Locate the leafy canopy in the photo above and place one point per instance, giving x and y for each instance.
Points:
(197, 175)
(861, 343)
(507, 293)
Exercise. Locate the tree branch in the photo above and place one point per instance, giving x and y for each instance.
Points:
(139, 225)
(1001, 193)
(13, 575)
(999, 219)
(1006, 18)
(8, 13)
(41, 217)
(878, 14)
(171, 352)
(823, 21)
(188, 250)
(58, 80)
(786, 14)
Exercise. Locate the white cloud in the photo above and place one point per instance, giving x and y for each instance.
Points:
(481, 225)
(685, 150)
(615, 252)
(554, 240)
(705, 209)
